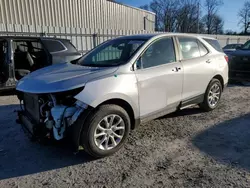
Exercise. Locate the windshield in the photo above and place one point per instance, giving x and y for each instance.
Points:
(246, 46)
(112, 53)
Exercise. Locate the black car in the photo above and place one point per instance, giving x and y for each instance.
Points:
(239, 63)
(21, 55)
(231, 47)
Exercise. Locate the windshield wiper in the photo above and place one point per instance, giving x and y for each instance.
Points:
(89, 65)
(99, 65)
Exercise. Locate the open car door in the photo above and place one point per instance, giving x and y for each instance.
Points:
(3, 61)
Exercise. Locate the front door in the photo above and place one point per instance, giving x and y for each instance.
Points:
(159, 78)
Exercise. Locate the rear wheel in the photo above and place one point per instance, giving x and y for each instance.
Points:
(105, 131)
(212, 95)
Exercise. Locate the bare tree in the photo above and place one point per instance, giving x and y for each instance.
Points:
(176, 15)
(216, 25)
(144, 7)
(188, 16)
(211, 7)
(166, 11)
(244, 15)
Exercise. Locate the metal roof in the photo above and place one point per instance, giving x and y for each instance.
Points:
(30, 38)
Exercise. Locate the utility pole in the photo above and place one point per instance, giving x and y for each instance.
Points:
(198, 19)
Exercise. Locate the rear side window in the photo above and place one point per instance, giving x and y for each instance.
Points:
(229, 46)
(71, 48)
(203, 49)
(54, 46)
(189, 47)
(215, 44)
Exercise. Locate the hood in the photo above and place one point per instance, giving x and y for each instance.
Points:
(61, 77)
(239, 53)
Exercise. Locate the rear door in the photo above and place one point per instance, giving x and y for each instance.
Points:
(197, 66)
(159, 77)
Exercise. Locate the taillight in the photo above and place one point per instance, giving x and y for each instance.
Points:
(226, 58)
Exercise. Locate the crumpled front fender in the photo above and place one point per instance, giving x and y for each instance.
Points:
(75, 130)
(123, 87)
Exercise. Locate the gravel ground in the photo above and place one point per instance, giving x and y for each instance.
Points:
(186, 149)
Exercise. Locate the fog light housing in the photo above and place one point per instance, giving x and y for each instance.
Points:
(81, 104)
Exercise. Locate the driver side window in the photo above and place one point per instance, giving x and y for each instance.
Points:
(159, 53)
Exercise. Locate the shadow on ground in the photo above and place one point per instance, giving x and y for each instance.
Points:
(239, 83)
(228, 142)
(8, 92)
(19, 156)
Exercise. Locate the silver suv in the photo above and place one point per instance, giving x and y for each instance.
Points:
(120, 84)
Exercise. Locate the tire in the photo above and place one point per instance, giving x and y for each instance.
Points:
(90, 128)
(206, 104)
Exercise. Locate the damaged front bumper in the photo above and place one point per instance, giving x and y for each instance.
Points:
(28, 124)
(37, 131)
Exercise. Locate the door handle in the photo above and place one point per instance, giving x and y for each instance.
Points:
(176, 69)
(208, 61)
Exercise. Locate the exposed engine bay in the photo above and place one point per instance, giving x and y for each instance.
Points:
(49, 115)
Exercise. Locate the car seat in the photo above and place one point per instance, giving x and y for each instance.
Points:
(23, 63)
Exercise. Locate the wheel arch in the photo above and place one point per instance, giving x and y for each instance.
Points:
(76, 129)
(126, 106)
(220, 78)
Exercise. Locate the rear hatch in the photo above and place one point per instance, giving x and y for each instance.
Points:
(61, 50)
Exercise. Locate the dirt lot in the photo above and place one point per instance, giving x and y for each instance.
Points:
(186, 149)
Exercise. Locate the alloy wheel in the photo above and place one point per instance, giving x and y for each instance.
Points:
(214, 95)
(109, 132)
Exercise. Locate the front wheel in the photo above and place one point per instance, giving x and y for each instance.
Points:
(105, 131)
(212, 95)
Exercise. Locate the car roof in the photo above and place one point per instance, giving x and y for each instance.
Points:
(31, 38)
(139, 36)
(234, 44)
(151, 35)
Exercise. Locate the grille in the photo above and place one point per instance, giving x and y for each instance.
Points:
(31, 104)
